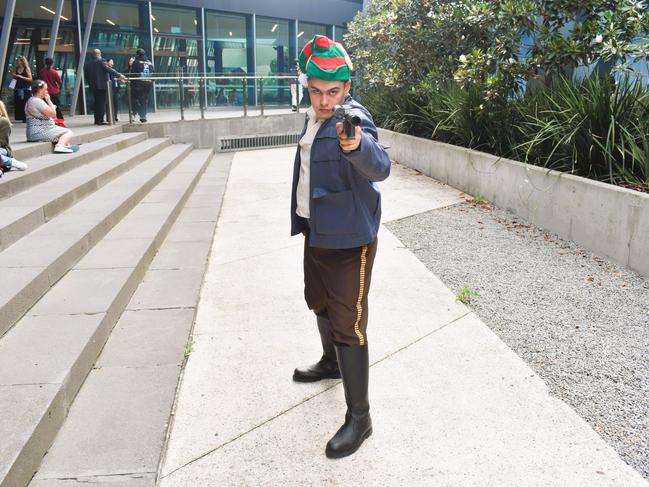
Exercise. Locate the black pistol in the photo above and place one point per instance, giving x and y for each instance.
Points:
(343, 113)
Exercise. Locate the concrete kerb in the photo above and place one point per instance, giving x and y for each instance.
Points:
(606, 219)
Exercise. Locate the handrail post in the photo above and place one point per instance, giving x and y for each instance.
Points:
(261, 94)
(109, 102)
(181, 97)
(245, 97)
(130, 102)
(201, 96)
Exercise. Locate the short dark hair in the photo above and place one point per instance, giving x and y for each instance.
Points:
(49, 61)
(139, 51)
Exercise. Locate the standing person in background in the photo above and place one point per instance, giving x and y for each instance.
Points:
(7, 162)
(296, 87)
(22, 91)
(54, 83)
(115, 87)
(98, 73)
(142, 70)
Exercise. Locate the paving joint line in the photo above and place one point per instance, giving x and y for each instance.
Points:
(258, 255)
(203, 455)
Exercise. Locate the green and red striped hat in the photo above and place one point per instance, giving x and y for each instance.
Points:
(325, 59)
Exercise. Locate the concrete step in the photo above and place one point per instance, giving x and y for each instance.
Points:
(35, 262)
(45, 358)
(47, 166)
(23, 150)
(26, 211)
(133, 383)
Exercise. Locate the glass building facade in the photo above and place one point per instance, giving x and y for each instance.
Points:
(182, 40)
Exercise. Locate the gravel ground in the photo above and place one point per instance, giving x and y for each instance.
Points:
(580, 321)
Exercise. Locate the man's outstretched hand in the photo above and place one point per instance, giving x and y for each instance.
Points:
(348, 145)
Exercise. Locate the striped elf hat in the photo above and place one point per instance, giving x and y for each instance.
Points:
(325, 59)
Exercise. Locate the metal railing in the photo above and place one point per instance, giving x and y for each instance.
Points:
(182, 92)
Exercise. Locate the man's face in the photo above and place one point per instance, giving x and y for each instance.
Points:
(325, 95)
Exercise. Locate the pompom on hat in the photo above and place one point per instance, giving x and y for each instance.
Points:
(325, 59)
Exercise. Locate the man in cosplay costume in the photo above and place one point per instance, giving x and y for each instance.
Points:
(337, 206)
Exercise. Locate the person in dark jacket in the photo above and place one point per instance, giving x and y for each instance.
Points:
(142, 70)
(97, 72)
(336, 204)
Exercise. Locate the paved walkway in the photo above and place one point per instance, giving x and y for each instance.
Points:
(451, 404)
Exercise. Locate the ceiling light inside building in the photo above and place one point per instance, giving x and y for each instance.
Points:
(153, 18)
(300, 34)
(52, 12)
(195, 22)
(156, 29)
(110, 22)
(274, 27)
(230, 34)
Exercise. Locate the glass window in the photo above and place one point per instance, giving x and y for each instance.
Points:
(273, 51)
(340, 34)
(174, 21)
(118, 29)
(227, 54)
(114, 14)
(227, 48)
(307, 31)
(40, 10)
(272, 47)
(33, 42)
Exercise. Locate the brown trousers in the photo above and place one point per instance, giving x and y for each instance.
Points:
(336, 284)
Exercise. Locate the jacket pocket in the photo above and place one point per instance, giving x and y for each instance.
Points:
(334, 213)
(325, 149)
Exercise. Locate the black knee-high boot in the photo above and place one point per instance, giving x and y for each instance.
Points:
(327, 366)
(354, 367)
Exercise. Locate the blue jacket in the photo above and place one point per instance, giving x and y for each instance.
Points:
(345, 205)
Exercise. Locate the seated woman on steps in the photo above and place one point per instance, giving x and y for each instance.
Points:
(7, 162)
(40, 123)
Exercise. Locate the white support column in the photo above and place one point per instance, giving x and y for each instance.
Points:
(155, 100)
(54, 31)
(254, 59)
(82, 56)
(204, 32)
(6, 31)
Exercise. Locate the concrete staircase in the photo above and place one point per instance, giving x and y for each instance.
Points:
(116, 233)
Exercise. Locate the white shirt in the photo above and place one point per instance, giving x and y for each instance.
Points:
(303, 194)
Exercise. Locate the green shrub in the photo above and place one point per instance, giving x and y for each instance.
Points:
(596, 128)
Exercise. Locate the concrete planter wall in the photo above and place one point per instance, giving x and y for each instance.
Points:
(605, 219)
